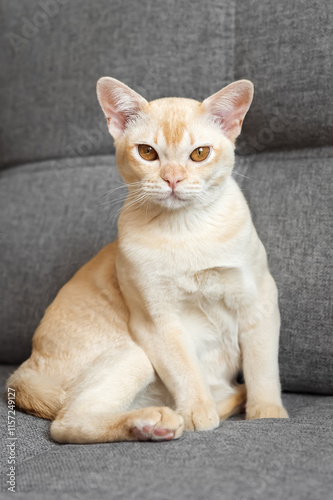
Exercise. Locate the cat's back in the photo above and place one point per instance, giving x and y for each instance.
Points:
(83, 313)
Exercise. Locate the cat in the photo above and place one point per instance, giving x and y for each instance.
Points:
(147, 339)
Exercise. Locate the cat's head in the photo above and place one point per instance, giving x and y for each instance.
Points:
(174, 152)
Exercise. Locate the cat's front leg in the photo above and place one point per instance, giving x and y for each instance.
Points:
(200, 416)
(259, 342)
(178, 367)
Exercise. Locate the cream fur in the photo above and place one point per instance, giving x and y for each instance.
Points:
(148, 337)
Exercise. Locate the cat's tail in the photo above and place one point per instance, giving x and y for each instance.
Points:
(35, 393)
(233, 404)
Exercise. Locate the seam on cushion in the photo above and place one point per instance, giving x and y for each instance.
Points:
(295, 153)
(44, 166)
(14, 164)
(104, 160)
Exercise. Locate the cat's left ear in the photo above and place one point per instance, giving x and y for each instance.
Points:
(120, 104)
(229, 106)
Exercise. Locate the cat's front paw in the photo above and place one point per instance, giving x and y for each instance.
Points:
(264, 410)
(202, 416)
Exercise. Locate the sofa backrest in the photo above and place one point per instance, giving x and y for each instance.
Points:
(53, 52)
(286, 49)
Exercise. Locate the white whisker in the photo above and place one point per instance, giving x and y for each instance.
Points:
(242, 175)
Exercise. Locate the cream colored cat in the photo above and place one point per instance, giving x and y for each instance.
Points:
(147, 338)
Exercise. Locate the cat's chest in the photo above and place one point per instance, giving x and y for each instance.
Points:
(207, 283)
(211, 287)
(209, 302)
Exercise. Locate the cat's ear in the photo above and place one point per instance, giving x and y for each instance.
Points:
(229, 106)
(119, 103)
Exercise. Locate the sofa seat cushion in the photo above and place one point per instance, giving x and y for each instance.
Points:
(261, 459)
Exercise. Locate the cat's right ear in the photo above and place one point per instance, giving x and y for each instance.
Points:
(119, 103)
(229, 106)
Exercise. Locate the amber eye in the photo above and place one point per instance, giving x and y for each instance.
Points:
(147, 152)
(200, 154)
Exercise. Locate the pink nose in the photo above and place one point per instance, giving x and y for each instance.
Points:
(172, 180)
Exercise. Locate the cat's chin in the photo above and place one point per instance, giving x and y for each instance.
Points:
(172, 202)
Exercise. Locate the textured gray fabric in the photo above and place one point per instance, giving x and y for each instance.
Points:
(52, 220)
(260, 459)
(291, 200)
(286, 48)
(53, 51)
(52, 223)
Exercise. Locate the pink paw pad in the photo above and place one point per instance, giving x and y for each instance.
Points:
(151, 433)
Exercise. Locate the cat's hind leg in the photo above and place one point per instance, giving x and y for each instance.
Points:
(37, 393)
(146, 424)
(98, 407)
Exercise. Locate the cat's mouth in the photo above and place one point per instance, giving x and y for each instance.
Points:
(176, 196)
(172, 200)
(172, 196)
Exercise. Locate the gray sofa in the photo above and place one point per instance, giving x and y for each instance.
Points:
(57, 165)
